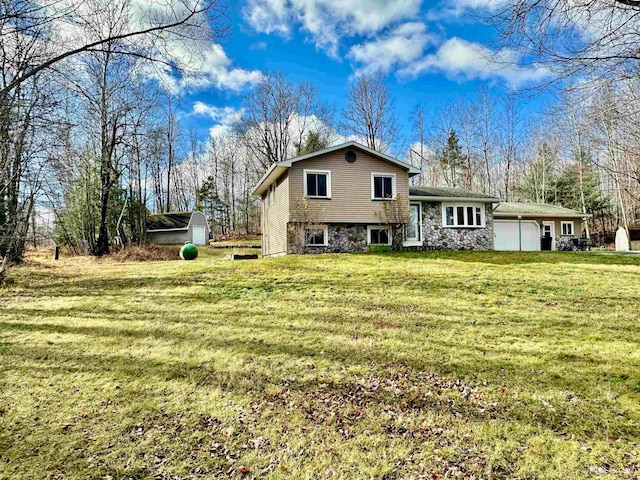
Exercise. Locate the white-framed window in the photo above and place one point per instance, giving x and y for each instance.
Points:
(316, 236)
(413, 230)
(567, 228)
(383, 186)
(378, 235)
(317, 183)
(467, 215)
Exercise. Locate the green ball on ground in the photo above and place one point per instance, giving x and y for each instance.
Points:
(188, 251)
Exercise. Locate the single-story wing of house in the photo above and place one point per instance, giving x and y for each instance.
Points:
(348, 197)
(178, 228)
(536, 226)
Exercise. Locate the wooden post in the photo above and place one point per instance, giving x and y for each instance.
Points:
(56, 254)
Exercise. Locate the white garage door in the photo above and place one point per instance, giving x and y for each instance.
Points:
(506, 235)
(199, 235)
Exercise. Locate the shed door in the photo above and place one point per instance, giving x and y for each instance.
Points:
(506, 236)
(199, 234)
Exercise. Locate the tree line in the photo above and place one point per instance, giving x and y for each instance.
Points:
(86, 137)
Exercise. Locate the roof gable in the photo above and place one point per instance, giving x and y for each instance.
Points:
(277, 169)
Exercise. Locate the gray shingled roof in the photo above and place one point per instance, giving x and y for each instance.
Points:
(168, 221)
(521, 208)
(446, 192)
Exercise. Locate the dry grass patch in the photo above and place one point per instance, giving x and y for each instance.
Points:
(435, 365)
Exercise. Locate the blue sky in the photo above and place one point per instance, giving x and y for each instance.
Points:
(432, 54)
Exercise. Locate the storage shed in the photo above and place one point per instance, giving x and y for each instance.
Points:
(178, 228)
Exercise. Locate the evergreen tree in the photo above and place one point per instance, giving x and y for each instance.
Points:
(313, 143)
(452, 161)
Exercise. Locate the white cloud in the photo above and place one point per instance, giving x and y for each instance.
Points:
(199, 68)
(401, 46)
(327, 21)
(453, 10)
(224, 118)
(458, 58)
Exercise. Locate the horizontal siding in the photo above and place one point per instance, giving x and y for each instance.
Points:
(275, 217)
(350, 188)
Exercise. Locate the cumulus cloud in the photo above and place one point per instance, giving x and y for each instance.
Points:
(327, 21)
(199, 68)
(224, 118)
(464, 60)
(401, 46)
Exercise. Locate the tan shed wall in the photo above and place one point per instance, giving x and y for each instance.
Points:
(275, 217)
(350, 188)
(168, 238)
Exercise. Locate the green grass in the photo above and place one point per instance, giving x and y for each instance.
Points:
(429, 365)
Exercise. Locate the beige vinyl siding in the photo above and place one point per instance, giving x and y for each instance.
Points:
(275, 217)
(350, 189)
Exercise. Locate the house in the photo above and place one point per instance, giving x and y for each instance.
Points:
(348, 197)
(536, 226)
(177, 228)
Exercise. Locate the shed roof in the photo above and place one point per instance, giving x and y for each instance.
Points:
(449, 193)
(536, 209)
(169, 221)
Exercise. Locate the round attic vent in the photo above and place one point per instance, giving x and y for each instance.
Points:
(350, 156)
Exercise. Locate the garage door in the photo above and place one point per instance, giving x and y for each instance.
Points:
(506, 235)
(199, 235)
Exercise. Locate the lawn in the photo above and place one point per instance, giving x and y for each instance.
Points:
(428, 365)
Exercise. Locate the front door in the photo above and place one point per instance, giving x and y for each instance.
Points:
(549, 231)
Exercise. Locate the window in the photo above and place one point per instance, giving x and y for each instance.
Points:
(383, 186)
(412, 230)
(378, 235)
(567, 228)
(463, 215)
(317, 184)
(316, 236)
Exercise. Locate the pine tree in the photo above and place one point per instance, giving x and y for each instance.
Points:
(452, 160)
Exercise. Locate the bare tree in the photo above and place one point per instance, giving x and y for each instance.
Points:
(418, 150)
(369, 114)
(146, 33)
(486, 133)
(278, 115)
(593, 37)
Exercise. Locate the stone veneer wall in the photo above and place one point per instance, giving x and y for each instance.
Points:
(435, 237)
(343, 238)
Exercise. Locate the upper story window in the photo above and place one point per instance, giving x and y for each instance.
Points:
(317, 183)
(567, 228)
(459, 215)
(383, 186)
